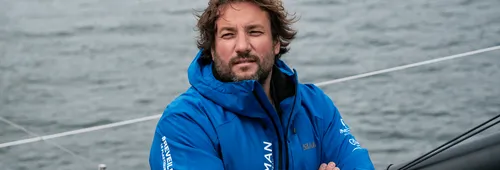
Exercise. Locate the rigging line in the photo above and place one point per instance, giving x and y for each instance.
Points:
(457, 142)
(452, 142)
(408, 66)
(84, 130)
(142, 119)
(86, 160)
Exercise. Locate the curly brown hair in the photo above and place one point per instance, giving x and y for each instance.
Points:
(280, 24)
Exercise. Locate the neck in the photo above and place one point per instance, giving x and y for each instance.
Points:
(266, 85)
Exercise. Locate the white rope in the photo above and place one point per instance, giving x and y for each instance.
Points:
(74, 132)
(87, 160)
(408, 66)
(126, 122)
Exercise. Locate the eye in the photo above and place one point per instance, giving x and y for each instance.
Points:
(227, 35)
(256, 33)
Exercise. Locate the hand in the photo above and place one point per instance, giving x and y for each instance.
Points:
(330, 166)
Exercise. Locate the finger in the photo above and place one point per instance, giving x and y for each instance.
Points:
(322, 166)
(330, 166)
(336, 168)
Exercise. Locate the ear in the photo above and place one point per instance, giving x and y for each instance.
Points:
(212, 54)
(277, 47)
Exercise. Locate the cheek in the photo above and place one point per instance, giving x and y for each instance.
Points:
(264, 47)
(221, 58)
(223, 51)
(266, 53)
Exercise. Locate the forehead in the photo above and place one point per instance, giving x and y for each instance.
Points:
(242, 13)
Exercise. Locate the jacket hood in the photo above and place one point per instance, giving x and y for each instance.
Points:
(237, 97)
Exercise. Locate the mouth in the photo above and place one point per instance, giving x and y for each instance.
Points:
(243, 60)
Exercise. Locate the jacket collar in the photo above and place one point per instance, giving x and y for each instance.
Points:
(239, 97)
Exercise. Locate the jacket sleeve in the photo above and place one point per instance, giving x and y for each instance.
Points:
(339, 145)
(180, 143)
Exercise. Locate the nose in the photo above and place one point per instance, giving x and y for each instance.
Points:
(242, 44)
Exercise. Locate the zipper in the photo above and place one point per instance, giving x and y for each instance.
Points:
(280, 113)
(288, 127)
(286, 130)
(280, 152)
(285, 142)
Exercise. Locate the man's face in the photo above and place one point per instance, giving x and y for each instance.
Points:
(244, 47)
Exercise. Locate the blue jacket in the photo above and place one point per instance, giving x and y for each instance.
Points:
(232, 125)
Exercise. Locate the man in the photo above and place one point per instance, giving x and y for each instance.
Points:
(245, 108)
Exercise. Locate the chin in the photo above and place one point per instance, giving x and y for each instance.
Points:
(246, 75)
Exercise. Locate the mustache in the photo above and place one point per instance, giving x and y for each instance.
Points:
(244, 57)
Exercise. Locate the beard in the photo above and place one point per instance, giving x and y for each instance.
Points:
(224, 72)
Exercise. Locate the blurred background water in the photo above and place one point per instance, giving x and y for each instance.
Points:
(66, 65)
